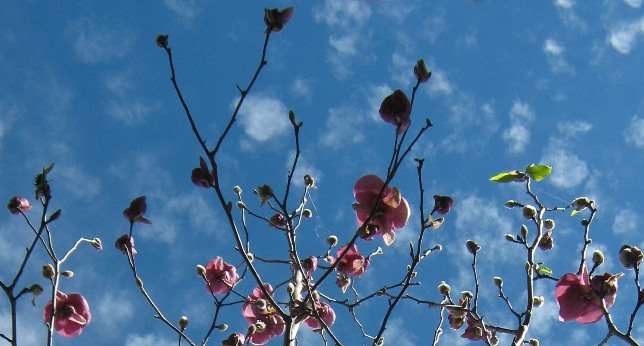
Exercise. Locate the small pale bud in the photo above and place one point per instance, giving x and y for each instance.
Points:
(67, 274)
(290, 288)
(309, 181)
(511, 204)
(529, 212)
(524, 231)
(222, 327)
(97, 244)
(237, 190)
(241, 205)
(598, 257)
(509, 237)
(549, 224)
(307, 213)
(533, 342)
(48, 271)
(467, 295)
(444, 288)
(472, 246)
(537, 301)
(630, 256)
(250, 256)
(183, 322)
(332, 240)
(421, 71)
(36, 289)
(581, 203)
(201, 270)
(498, 281)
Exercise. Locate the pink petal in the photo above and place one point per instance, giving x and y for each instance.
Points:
(368, 184)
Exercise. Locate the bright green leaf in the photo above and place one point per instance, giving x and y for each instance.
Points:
(507, 177)
(544, 271)
(538, 172)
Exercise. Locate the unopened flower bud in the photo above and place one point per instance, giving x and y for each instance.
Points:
(264, 192)
(183, 323)
(250, 256)
(421, 71)
(598, 257)
(529, 212)
(581, 203)
(201, 270)
(511, 204)
(546, 242)
(309, 181)
(444, 288)
(494, 340)
(67, 273)
(472, 246)
(290, 288)
(97, 243)
(260, 304)
(36, 289)
(222, 327)
(549, 224)
(237, 190)
(241, 205)
(498, 281)
(524, 231)
(509, 237)
(139, 282)
(630, 256)
(437, 248)
(48, 271)
(307, 213)
(467, 295)
(332, 240)
(162, 41)
(533, 342)
(537, 301)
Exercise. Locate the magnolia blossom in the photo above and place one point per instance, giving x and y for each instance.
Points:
(201, 176)
(235, 339)
(135, 211)
(72, 314)
(326, 314)
(474, 331)
(18, 204)
(275, 19)
(442, 204)
(396, 109)
(221, 276)
(579, 297)
(392, 210)
(310, 265)
(125, 243)
(257, 311)
(352, 263)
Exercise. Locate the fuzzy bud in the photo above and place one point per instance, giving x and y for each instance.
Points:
(97, 243)
(549, 224)
(237, 190)
(241, 205)
(581, 203)
(183, 323)
(421, 71)
(466, 295)
(201, 270)
(598, 257)
(472, 246)
(307, 213)
(494, 340)
(309, 181)
(537, 301)
(260, 325)
(533, 342)
(332, 240)
(444, 288)
(290, 288)
(498, 281)
(524, 231)
(36, 289)
(48, 271)
(67, 274)
(250, 256)
(509, 237)
(162, 41)
(630, 256)
(529, 212)
(222, 327)
(511, 204)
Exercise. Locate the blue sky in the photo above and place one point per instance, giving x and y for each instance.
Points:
(84, 86)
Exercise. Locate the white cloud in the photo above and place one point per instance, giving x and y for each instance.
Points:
(263, 118)
(568, 16)
(343, 13)
(574, 128)
(440, 84)
(566, 4)
(123, 104)
(517, 136)
(633, 3)
(624, 36)
(148, 340)
(434, 25)
(402, 68)
(78, 182)
(95, 43)
(8, 113)
(555, 54)
(113, 310)
(625, 221)
(186, 10)
(342, 127)
(635, 132)
(568, 169)
(301, 87)
(397, 334)
(376, 94)
(345, 44)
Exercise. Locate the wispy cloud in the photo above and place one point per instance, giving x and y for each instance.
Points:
(185, 10)
(302, 87)
(625, 35)
(341, 127)
(568, 15)
(633, 3)
(634, 133)
(123, 103)
(517, 136)
(94, 42)
(148, 340)
(569, 170)
(263, 117)
(8, 114)
(626, 221)
(554, 51)
(112, 311)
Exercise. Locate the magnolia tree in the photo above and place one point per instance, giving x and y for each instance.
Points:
(277, 310)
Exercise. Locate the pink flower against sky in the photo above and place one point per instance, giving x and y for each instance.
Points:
(352, 263)
(578, 298)
(396, 109)
(256, 311)
(221, 276)
(72, 314)
(326, 314)
(18, 204)
(392, 210)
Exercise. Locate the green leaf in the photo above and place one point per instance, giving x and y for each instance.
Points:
(543, 270)
(507, 177)
(538, 172)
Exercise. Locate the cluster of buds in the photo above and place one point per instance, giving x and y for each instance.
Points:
(631, 256)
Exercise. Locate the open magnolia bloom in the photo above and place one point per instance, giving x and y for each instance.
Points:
(391, 213)
(72, 314)
(259, 313)
(326, 314)
(579, 296)
(221, 276)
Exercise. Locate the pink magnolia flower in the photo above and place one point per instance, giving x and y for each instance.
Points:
(235, 339)
(391, 214)
(310, 265)
(258, 311)
(18, 204)
(396, 109)
(474, 331)
(135, 211)
(275, 19)
(72, 314)
(326, 314)
(221, 275)
(124, 243)
(442, 204)
(352, 263)
(578, 298)
(201, 176)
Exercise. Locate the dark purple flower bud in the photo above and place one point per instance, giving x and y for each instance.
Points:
(275, 19)
(18, 204)
(442, 204)
(201, 176)
(396, 109)
(125, 243)
(135, 211)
